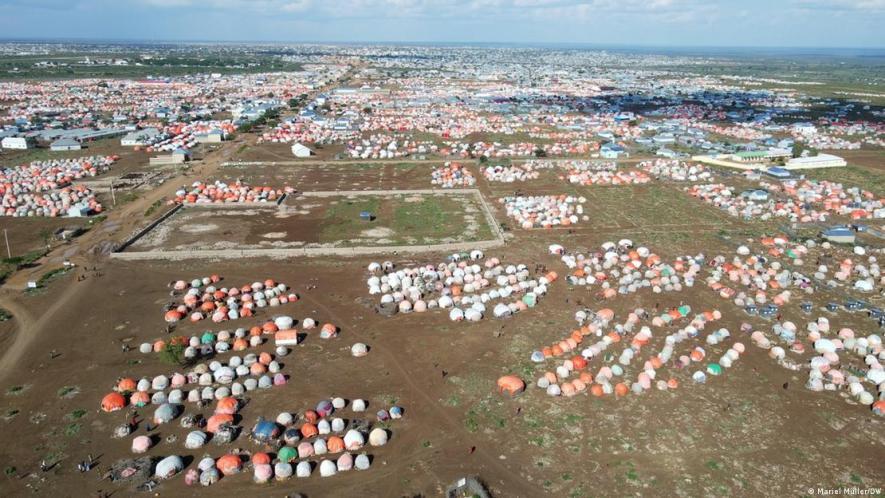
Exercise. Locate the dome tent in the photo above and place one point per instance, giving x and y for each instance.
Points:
(169, 466)
(166, 412)
(511, 385)
(113, 402)
(265, 430)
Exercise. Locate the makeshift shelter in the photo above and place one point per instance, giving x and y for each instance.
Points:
(141, 444)
(169, 466)
(214, 423)
(113, 402)
(229, 464)
(265, 430)
(166, 413)
(511, 385)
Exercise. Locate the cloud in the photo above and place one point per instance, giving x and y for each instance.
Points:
(657, 22)
(435, 8)
(844, 5)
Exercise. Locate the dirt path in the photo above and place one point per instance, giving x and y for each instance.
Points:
(28, 328)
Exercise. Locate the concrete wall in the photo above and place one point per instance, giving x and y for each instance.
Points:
(144, 231)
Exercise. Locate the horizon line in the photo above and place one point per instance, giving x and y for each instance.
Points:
(540, 44)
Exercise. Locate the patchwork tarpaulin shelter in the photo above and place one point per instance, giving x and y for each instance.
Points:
(113, 402)
(511, 385)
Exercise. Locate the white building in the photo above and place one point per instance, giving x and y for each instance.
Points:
(139, 137)
(19, 143)
(805, 128)
(299, 150)
(65, 144)
(210, 137)
(78, 211)
(818, 161)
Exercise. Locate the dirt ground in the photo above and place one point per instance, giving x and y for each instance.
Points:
(332, 176)
(270, 152)
(323, 221)
(753, 431)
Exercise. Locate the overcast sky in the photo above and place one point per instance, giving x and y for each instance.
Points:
(774, 23)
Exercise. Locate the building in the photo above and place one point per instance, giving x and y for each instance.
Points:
(756, 195)
(65, 144)
(777, 172)
(611, 151)
(750, 156)
(18, 143)
(179, 156)
(805, 128)
(140, 137)
(665, 152)
(778, 152)
(664, 138)
(818, 161)
(299, 150)
(210, 137)
(78, 211)
(839, 235)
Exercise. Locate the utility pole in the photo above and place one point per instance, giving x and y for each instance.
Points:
(113, 196)
(8, 251)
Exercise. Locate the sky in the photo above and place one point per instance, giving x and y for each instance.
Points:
(692, 23)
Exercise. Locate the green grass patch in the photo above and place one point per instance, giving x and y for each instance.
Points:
(48, 277)
(8, 266)
(153, 207)
(76, 414)
(852, 176)
(404, 220)
(470, 422)
(174, 354)
(453, 400)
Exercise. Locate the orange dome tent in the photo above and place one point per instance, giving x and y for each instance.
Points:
(309, 430)
(140, 398)
(113, 402)
(227, 406)
(260, 459)
(511, 385)
(126, 385)
(217, 420)
(335, 444)
(229, 464)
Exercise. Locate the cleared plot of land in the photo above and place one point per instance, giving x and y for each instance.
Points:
(405, 219)
(413, 219)
(331, 176)
(283, 152)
